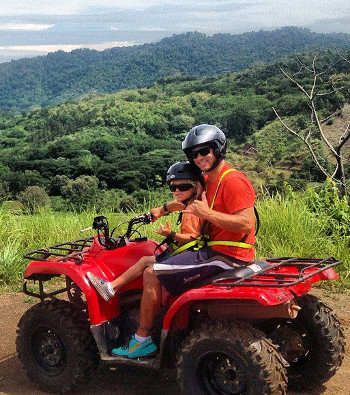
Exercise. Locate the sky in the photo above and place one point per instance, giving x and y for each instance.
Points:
(37, 27)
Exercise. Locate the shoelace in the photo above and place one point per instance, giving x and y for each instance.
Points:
(126, 347)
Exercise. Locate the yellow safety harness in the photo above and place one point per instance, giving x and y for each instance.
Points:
(203, 239)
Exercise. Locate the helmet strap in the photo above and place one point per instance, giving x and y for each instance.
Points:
(216, 163)
(187, 200)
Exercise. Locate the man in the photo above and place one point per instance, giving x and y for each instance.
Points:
(226, 211)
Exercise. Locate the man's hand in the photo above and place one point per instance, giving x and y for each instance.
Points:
(199, 208)
(164, 230)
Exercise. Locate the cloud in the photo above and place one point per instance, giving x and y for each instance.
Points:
(24, 26)
(29, 49)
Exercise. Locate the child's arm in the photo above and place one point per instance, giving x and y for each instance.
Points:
(190, 230)
(166, 209)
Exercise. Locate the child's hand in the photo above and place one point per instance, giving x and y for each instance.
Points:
(156, 212)
(164, 230)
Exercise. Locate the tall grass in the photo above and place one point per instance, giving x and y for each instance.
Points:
(23, 233)
(288, 228)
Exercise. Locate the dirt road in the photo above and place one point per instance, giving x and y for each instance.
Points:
(125, 381)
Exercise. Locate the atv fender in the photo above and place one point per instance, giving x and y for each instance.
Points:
(99, 310)
(305, 286)
(178, 314)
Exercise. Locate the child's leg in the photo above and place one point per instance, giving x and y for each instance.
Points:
(133, 272)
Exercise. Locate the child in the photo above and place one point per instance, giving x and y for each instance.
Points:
(186, 184)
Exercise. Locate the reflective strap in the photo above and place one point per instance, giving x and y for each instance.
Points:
(229, 243)
(198, 243)
(217, 187)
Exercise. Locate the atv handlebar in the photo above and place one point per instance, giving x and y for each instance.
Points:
(101, 225)
(139, 219)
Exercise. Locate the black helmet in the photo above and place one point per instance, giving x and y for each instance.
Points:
(206, 134)
(184, 170)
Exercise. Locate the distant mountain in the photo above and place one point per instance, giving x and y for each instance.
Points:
(60, 76)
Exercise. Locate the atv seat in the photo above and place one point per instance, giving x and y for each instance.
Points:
(235, 274)
(165, 296)
(241, 272)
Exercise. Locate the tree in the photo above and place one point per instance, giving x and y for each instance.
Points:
(82, 192)
(33, 198)
(320, 88)
(4, 191)
(57, 184)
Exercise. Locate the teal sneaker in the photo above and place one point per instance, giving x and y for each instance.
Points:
(136, 349)
(121, 351)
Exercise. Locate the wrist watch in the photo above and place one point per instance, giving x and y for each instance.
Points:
(165, 208)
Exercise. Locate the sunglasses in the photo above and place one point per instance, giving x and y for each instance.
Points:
(203, 152)
(180, 187)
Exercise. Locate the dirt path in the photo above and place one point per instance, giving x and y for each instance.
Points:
(126, 381)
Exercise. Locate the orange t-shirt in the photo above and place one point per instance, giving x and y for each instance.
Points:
(235, 193)
(190, 224)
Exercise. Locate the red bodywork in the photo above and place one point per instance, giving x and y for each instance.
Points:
(110, 264)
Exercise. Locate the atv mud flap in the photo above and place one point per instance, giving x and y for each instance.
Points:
(103, 333)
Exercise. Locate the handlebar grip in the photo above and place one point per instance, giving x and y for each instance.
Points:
(148, 217)
(86, 229)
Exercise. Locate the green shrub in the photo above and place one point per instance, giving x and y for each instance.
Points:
(33, 198)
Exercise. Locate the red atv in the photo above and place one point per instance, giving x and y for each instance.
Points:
(247, 331)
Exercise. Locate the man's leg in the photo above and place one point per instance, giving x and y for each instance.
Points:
(150, 301)
(141, 344)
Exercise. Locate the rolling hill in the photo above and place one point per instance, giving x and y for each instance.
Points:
(60, 77)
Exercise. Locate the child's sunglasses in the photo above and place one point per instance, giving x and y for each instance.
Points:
(194, 154)
(180, 187)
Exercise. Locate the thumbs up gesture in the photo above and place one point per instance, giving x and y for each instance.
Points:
(199, 208)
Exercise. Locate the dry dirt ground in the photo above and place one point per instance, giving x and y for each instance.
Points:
(124, 381)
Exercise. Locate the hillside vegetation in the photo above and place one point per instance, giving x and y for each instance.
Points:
(126, 141)
(59, 77)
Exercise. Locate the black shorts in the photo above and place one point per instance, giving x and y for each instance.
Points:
(190, 269)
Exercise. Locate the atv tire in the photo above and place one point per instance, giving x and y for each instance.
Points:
(313, 344)
(230, 358)
(55, 346)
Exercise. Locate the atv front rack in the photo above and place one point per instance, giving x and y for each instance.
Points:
(279, 273)
(71, 250)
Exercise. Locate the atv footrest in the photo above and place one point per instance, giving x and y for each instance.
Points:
(147, 362)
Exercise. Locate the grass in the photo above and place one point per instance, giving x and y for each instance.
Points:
(288, 228)
(23, 233)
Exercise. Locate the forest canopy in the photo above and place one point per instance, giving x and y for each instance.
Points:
(126, 141)
(60, 76)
